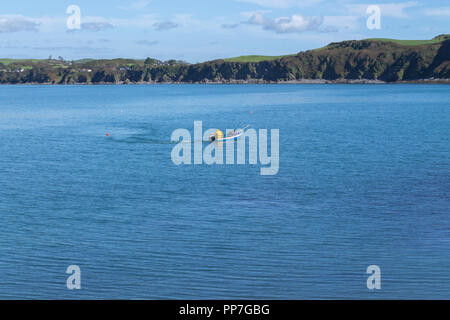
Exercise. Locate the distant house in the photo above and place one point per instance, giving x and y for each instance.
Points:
(86, 70)
(160, 63)
(19, 70)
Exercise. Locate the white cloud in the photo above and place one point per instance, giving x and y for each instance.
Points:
(248, 14)
(152, 21)
(17, 23)
(96, 26)
(230, 25)
(141, 21)
(293, 24)
(342, 22)
(282, 3)
(445, 11)
(164, 25)
(147, 43)
(137, 5)
(396, 10)
(140, 4)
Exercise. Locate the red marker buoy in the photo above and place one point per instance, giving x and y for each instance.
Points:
(107, 134)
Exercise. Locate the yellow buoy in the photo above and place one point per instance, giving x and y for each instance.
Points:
(219, 134)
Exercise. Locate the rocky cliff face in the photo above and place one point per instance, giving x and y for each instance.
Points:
(368, 59)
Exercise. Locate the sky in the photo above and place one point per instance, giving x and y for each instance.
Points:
(202, 30)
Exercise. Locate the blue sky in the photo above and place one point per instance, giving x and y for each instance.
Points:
(200, 30)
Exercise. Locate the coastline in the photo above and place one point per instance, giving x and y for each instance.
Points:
(250, 81)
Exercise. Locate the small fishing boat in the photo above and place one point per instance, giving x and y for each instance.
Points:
(233, 135)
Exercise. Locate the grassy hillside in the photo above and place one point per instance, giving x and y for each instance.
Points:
(413, 42)
(259, 58)
(19, 61)
(255, 58)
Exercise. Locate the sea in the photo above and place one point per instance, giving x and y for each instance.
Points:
(87, 179)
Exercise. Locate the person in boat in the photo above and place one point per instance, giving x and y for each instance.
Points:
(216, 136)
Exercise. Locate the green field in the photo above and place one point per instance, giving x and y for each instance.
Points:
(413, 42)
(255, 58)
(437, 39)
(9, 61)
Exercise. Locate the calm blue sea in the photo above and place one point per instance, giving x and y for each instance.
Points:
(364, 179)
